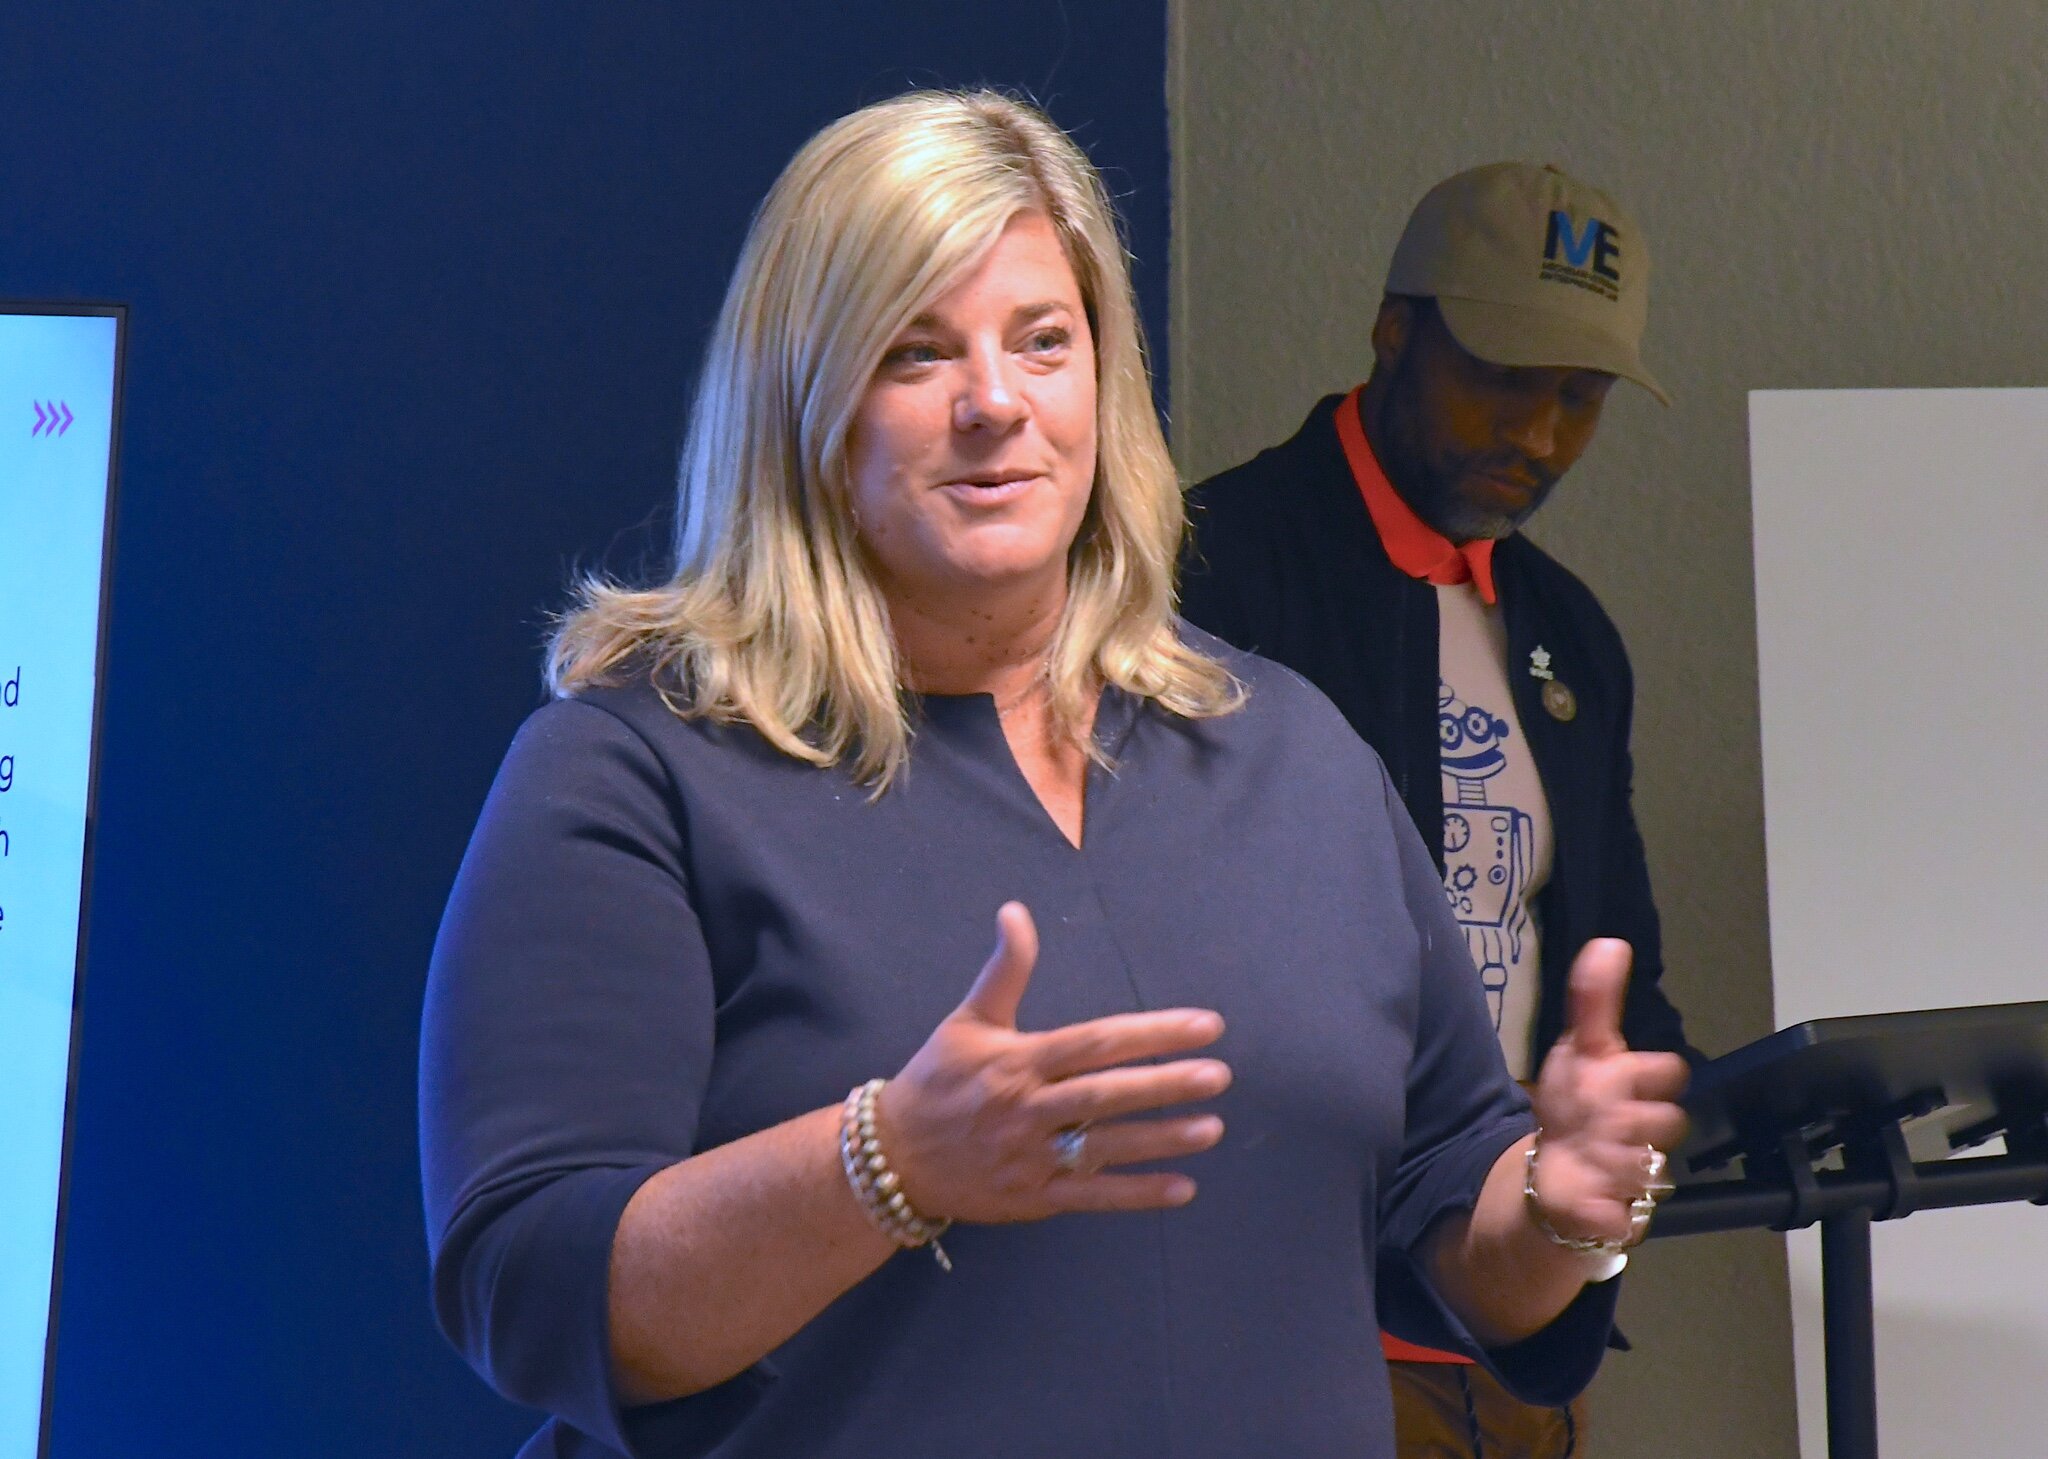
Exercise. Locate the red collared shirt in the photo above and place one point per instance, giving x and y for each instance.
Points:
(1413, 546)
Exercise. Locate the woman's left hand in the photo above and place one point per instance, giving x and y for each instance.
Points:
(1602, 1106)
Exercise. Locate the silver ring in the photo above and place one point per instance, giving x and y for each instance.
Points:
(1070, 1149)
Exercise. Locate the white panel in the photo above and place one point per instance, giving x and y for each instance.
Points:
(1902, 626)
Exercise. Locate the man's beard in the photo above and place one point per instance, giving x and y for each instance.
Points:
(1436, 495)
(1461, 519)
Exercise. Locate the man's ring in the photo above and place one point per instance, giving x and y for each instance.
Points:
(1070, 1149)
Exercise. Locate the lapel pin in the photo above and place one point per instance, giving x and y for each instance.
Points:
(1559, 700)
(1539, 663)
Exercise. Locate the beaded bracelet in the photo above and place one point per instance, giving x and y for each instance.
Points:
(875, 1184)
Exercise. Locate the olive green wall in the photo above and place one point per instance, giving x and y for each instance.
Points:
(1834, 194)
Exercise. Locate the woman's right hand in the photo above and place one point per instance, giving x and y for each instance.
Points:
(969, 1124)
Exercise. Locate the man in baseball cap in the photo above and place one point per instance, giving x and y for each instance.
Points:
(1378, 552)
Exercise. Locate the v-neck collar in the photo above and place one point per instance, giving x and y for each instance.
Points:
(972, 723)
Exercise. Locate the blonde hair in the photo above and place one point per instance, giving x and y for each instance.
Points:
(771, 616)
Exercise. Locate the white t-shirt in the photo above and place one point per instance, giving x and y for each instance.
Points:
(1497, 832)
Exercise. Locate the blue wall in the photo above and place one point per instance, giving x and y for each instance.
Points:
(417, 294)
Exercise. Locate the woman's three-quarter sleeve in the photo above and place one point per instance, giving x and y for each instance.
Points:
(565, 1047)
(1463, 1111)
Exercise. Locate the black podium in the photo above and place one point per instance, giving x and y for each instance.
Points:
(1845, 1121)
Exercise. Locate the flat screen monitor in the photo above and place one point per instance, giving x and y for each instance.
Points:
(60, 391)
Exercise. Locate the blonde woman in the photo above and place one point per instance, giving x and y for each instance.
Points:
(729, 1149)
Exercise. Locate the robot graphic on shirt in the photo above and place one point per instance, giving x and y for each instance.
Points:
(1488, 849)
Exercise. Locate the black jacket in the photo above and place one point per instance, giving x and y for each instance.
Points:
(1284, 560)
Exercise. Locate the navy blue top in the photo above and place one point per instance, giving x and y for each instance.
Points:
(667, 935)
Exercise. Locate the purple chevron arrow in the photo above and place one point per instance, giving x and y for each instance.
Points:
(67, 418)
(39, 419)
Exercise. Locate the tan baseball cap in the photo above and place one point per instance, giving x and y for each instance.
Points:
(1530, 266)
